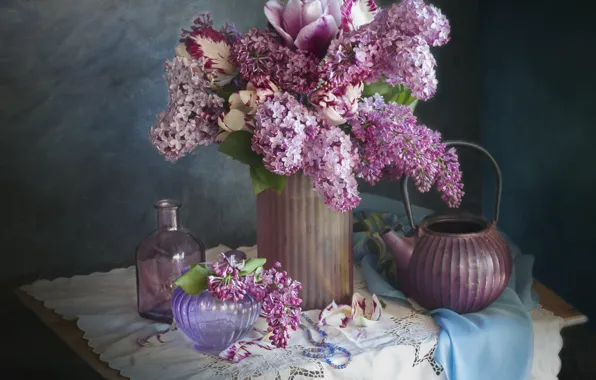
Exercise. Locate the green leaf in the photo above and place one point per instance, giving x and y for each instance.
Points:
(379, 87)
(359, 226)
(378, 221)
(383, 304)
(252, 265)
(374, 246)
(238, 146)
(194, 281)
(262, 179)
(227, 90)
(399, 94)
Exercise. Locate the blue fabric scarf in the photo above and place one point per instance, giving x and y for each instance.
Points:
(493, 344)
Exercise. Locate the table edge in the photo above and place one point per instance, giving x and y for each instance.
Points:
(75, 340)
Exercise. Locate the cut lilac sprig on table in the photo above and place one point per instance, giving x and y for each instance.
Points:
(229, 279)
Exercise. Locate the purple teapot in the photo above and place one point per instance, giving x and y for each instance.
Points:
(456, 261)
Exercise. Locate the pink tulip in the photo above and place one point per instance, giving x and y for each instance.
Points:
(306, 24)
(311, 24)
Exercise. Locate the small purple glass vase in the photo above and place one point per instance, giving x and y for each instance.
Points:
(213, 325)
(161, 257)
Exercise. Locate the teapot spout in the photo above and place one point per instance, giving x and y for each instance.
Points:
(401, 248)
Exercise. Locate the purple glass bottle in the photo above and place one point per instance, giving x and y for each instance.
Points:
(160, 260)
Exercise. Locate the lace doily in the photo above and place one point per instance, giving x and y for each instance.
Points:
(409, 329)
(401, 345)
(414, 328)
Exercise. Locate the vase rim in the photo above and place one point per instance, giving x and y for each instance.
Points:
(471, 225)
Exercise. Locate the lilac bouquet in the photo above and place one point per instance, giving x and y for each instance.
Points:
(229, 279)
(328, 89)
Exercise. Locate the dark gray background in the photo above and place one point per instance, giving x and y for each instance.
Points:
(81, 83)
(537, 117)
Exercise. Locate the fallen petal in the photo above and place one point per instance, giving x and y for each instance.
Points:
(245, 348)
(335, 315)
(363, 322)
(358, 306)
(377, 309)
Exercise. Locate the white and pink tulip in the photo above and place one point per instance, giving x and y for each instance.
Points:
(213, 50)
(243, 105)
(356, 13)
(337, 105)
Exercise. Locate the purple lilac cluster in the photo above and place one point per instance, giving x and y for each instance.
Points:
(329, 160)
(449, 181)
(226, 284)
(278, 292)
(281, 305)
(192, 114)
(416, 18)
(262, 57)
(351, 58)
(392, 144)
(377, 130)
(282, 127)
(395, 47)
(408, 61)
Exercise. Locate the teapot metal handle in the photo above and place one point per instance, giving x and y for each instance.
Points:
(404, 180)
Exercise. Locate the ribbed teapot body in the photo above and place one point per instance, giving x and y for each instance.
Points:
(462, 264)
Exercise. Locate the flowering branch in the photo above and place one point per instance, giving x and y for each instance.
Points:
(231, 280)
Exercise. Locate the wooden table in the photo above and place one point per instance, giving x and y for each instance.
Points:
(69, 332)
(552, 302)
(73, 337)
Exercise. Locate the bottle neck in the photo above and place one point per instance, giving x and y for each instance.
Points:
(167, 215)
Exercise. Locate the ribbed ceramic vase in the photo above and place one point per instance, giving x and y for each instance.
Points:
(311, 241)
